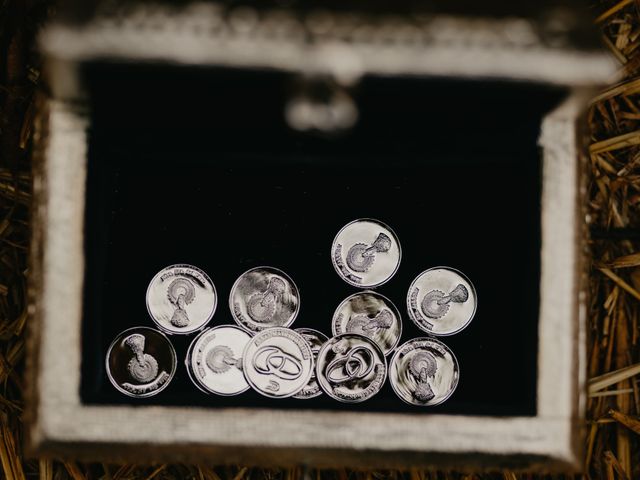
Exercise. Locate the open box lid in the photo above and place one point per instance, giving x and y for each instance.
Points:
(551, 43)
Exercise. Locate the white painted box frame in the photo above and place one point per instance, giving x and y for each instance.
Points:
(60, 424)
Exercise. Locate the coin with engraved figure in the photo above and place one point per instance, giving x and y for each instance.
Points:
(351, 368)
(264, 297)
(442, 301)
(424, 372)
(140, 362)
(315, 339)
(366, 253)
(214, 360)
(370, 314)
(181, 299)
(277, 362)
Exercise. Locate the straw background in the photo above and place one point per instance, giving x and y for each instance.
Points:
(613, 431)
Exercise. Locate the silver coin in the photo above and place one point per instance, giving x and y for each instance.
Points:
(315, 339)
(277, 362)
(214, 360)
(366, 253)
(372, 315)
(181, 299)
(264, 297)
(141, 362)
(441, 301)
(424, 371)
(351, 368)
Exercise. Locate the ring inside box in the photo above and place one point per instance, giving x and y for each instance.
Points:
(198, 166)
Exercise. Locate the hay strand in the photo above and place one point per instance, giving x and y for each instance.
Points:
(632, 423)
(606, 380)
(613, 10)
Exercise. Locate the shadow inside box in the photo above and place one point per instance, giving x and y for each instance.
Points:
(197, 166)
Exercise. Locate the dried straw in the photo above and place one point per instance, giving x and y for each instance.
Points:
(613, 435)
(612, 447)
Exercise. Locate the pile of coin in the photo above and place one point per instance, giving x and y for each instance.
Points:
(262, 352)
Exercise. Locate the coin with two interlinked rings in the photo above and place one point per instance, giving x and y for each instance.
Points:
(370, 314)
(140, 362)
(424, 372)
(366, 253)
(277, 362)
(442, 301)
(351, 368)
(181, 299)
(214, 360)
(264, 297)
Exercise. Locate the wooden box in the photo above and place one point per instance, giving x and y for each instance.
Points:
(467, 133)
